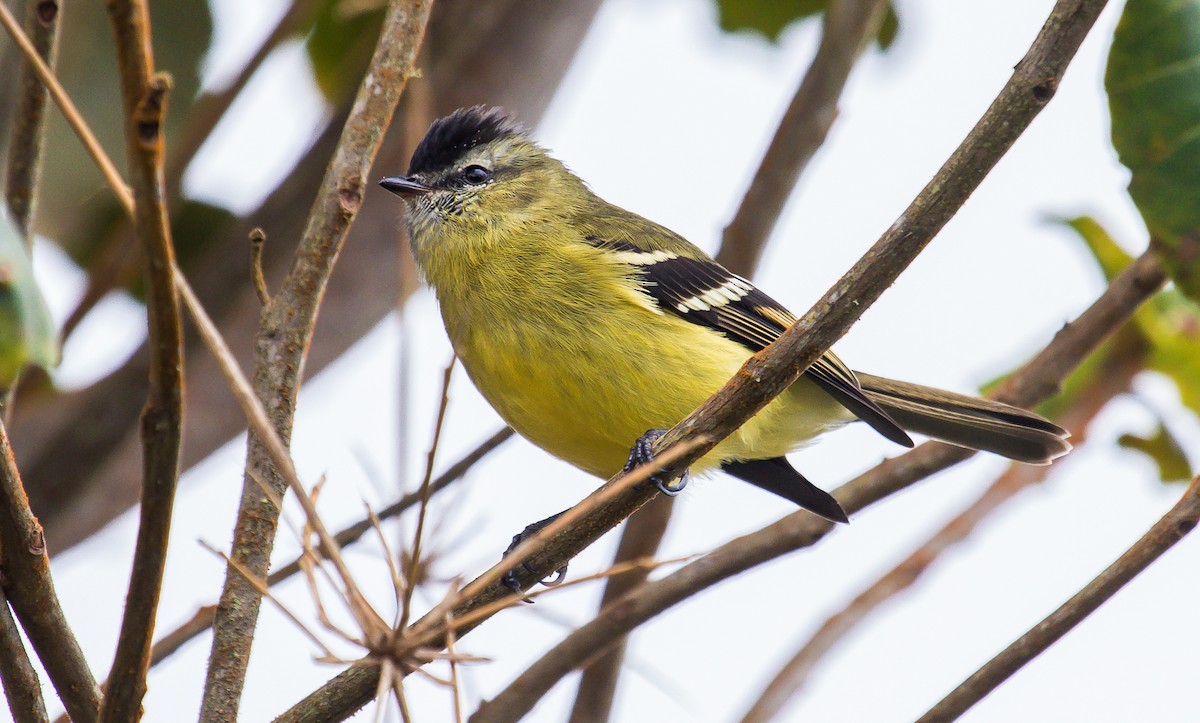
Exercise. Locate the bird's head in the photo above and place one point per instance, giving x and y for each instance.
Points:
(476, 177)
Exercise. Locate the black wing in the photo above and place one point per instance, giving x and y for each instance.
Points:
(706, 293)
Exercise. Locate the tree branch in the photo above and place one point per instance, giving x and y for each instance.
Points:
(1125, 360)
(285, 332)
(145, 96)
(22, 689)
(772, 370)
(1172, 528)
(846, 27)
(25, 139)
(30, 589)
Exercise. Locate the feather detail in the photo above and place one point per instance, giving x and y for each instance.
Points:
(703, 292)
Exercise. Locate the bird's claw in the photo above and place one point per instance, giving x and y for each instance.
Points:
(511, 580)
(643, 453)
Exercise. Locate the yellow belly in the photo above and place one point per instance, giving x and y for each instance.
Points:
(586, 397)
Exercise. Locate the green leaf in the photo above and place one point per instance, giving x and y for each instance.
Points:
(1153, 83)
(1168, 324)
(27, 333)
(340, 46)
(770, 18)
(889, 28)
(1164, 450)
(1108, 254)
(1171, 324)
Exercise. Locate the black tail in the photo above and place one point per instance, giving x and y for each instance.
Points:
(778, 476)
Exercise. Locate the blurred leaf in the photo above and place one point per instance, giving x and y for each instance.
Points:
(27, 333)
(1108, 254)
(889, 29)
(341, 44)
(1153, 83)
(1164, 449)
(1169, 323)
(769, 18)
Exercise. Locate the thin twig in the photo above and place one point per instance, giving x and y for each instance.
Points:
(1125, 358)
(29, 113)
(414, 563)
(22, 689)
(1178, 522)
(69, 111)
(769, 372)
(202, 619)
(1034, 382)
(30, 590)
(847, 26)
(286, 330)
(258, 238)
(145, 97)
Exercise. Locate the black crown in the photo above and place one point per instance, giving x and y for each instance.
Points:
(449, 138)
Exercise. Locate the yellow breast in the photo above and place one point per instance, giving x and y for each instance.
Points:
(584, 363)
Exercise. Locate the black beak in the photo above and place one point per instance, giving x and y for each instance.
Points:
(402, 186)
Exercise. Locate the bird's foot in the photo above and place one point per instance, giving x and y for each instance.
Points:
(510, 579)
(643, 453)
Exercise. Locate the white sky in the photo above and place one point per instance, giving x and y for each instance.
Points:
(666, 116)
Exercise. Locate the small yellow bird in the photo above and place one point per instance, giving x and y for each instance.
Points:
(586, 325)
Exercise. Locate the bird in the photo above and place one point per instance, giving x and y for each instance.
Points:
(591, 329)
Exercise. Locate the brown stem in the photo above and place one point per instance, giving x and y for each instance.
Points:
(1042, 374)
(145, 98)
(283, 340)
(25, 575)
(22, 689)
(769, 372)
(1178, 522)
(1125, 358)
(847, 26)
(25, 140)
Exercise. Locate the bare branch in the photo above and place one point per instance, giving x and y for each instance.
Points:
(30, 590)
(771, 371)
(1172, 528)
(285, 333)
(145, 97)
(25, 139)
(22, 688)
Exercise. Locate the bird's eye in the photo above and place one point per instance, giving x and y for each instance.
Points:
(476, 175)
